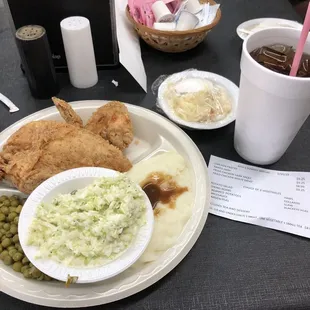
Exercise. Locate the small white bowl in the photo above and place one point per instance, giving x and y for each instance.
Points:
(66, 182)
(230, 87)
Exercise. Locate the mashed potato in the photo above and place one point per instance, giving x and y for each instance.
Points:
(169, 222)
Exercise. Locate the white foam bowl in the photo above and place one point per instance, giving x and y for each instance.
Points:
(66, 182)
(230, 87)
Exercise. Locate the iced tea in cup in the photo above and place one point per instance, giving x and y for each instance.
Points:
(272, 106)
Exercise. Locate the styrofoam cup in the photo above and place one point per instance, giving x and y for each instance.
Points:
(272, 107)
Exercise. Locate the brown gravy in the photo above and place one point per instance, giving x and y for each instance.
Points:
(160, 187)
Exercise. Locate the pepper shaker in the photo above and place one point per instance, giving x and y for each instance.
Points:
(37, 61)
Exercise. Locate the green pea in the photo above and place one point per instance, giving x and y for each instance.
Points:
(8, 260)
(1, 248)
(47, 278)
(5, 210)
(11, 216)
(17, 266)
(2, 198)
(3, 254)
(12, 252)
(35, 273)
(16, 220)
(41, 278)
(30, 265)
(12, 209)
(27, 274)
(6, 202)
(21, 251)
(15, 238)
(9, 234)
(1, 234)
(1, 224)
(13, 229)
(19, 209)
(6, 226)
(2, 217)
(24, 268)
(25, 260)
(6, 242)
(18, 257)
(14, 203)
(3, 237)
(11, 247)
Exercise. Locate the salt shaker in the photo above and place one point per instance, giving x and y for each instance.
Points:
(79, 50)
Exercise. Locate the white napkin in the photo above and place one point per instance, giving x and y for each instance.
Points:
(129, 45)
(207, 15)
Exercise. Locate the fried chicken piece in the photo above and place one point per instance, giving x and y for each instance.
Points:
(67, 113)
(113, 123)
(42, 149)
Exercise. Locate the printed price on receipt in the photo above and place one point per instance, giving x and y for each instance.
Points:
(269, 198)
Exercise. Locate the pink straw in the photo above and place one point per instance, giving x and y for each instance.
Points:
(301, 43)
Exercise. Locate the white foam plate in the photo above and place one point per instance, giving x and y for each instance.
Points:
(230, 87)
(64, 183)
(153, 135)
(248, 27)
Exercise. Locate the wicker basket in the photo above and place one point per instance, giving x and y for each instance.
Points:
(174, 41)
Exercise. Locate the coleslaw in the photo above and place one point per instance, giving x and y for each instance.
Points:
(90, 226)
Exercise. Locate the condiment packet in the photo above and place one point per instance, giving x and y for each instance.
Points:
(141, 10)
(207, 15)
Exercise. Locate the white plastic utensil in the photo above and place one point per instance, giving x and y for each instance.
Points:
(13, 108)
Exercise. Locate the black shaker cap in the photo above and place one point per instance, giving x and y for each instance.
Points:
(37, 61)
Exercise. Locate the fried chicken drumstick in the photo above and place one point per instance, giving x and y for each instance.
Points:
(41, 149)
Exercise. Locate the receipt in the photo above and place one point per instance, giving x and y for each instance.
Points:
(269, 198)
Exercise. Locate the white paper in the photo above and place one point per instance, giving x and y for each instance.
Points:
(269, 198)
(129, 45)
(212, 13)
(207, 15)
